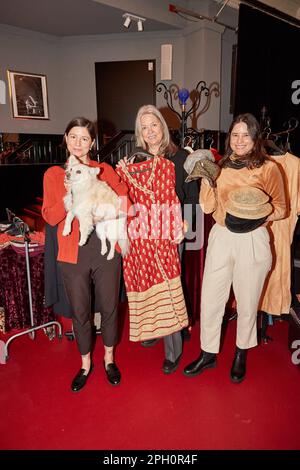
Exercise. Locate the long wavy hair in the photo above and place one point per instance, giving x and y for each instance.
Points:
(257, 156)
(166, 146)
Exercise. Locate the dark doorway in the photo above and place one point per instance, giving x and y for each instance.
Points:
(122, 87)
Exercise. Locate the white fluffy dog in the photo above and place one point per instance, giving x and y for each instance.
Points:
(88, 198)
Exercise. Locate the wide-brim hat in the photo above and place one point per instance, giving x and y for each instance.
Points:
(196, 156)
(248, 196)
(248, 203)
(201, 164)
(204, 169)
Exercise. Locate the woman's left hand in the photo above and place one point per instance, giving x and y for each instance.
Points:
(185, 226)
(180, 235)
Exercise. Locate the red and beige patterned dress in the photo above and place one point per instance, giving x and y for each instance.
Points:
(152, 267)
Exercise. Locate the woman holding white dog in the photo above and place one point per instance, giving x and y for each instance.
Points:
(152, 268)
(82, 265)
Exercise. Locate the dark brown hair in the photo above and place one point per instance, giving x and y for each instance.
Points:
(257, 156)
(81, 122)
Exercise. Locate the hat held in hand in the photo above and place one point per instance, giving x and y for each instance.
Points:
(201, 164)
(248, 203)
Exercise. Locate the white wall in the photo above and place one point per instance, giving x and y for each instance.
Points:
(80, 54)
(203, 62)
(229, 38)
(69, 65)
(26, 51)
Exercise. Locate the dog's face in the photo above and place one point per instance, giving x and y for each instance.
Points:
(77, 172)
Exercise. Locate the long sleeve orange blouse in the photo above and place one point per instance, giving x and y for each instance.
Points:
(268, 178)
(54, 212)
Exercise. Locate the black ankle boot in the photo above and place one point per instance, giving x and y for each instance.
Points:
(204, 361)
(238, 369)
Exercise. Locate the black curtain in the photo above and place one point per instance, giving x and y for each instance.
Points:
(267, 65)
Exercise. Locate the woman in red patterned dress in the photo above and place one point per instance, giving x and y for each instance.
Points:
(152, 268)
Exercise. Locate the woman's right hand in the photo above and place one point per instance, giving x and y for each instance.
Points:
(68, 198)
(67, 185)
(125, 160)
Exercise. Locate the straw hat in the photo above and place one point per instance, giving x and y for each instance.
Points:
(248, 203)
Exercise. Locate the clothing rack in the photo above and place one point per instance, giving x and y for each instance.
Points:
(265, 124)
(289, 126)
(24, 231)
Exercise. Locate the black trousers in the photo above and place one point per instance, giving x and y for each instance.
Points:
(94, 268)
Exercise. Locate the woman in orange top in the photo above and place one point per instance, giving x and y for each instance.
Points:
(82, 265)
(238, 251)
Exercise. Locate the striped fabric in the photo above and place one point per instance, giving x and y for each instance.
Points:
(158, 311)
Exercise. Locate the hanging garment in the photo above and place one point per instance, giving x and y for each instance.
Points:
(276, 297)
(55, 294)
(152, 267)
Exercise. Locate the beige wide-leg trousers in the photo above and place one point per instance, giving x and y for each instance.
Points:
(240, 259)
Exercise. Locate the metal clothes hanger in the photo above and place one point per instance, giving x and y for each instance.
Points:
(269, 144)
(287, 146)
(291, 124)
(139, 155)
(188, 142)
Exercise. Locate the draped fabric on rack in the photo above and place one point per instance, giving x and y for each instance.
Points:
(276, 297)
(14, 289)
(152, 268)
(55, 295)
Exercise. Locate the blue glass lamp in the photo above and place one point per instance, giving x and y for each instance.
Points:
(183, 95)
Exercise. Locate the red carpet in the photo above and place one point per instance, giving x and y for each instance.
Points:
(149, 410)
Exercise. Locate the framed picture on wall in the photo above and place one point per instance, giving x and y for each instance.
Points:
(28, 94)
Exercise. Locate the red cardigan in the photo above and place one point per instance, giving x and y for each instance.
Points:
(54, 212)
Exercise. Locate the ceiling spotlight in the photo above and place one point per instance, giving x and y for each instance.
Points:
(127, 20)
(140, 25)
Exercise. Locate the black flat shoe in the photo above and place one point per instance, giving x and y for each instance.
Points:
(80, 379)
(112, 373)
(169, 367)
(149, 342)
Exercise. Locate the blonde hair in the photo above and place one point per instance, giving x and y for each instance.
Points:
(166, 143)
